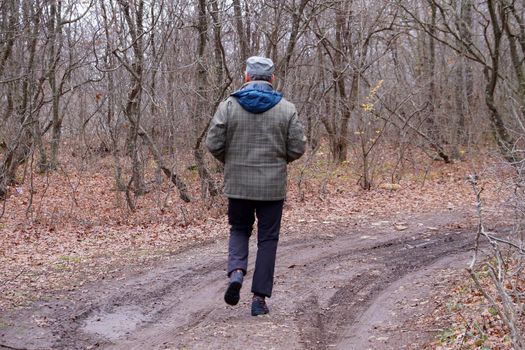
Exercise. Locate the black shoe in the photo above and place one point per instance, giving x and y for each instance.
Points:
(259, 306)
(232, 295)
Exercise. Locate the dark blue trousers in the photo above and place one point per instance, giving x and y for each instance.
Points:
(241, 216)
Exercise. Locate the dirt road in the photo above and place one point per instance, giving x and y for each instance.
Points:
(338, 286)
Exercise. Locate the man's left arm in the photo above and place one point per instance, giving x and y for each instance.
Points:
(296, 141)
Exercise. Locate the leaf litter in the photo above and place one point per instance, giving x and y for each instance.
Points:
(70, 237)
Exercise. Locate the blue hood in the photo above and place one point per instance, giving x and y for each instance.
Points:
(257, 97)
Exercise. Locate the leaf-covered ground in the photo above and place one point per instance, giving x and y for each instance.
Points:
(62, 230)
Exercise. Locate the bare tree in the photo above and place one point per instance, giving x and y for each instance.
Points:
(28, 93)
(242, 38)
(134, 17)
(464, 83)
(487, 52)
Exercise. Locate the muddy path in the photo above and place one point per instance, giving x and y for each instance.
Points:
(337, 286)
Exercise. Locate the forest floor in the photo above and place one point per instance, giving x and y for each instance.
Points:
(356, 269)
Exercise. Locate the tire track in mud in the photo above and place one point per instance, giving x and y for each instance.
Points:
(324, 283)
(397, 258)
(153, 301)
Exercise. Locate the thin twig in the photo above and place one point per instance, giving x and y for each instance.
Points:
(14, 278)
(473, 181)
(15, 348)
(507, 312)
(4, 202)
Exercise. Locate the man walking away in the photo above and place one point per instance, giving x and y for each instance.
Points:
(255, 133)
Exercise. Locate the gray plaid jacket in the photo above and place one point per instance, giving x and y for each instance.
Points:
(255, 148)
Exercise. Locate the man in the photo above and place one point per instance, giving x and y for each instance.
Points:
(255, 133)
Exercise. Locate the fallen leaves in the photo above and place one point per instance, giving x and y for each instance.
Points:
(391, 187)
(79, 230)
(465, 318)
(401, 226)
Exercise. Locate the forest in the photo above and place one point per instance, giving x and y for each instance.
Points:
(105, 106)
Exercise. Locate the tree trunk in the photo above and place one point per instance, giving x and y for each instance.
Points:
(207, 183)
(297, 18)
(132, 109)
(20, 149)
(431, 74)
(54, 55)
(170, 173)
(342, 35)
(243, 45)
(464, 85)
(516, 44)
(503, 138)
